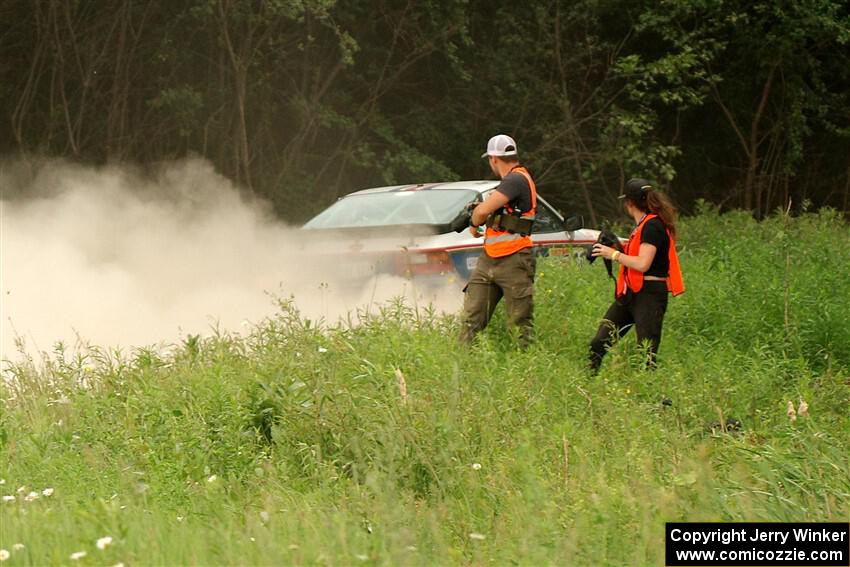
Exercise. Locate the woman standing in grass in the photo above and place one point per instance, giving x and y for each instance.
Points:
(649, 269)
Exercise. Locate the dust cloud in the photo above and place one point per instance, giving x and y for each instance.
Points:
(120, 258)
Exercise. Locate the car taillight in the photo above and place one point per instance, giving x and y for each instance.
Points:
(424, 263)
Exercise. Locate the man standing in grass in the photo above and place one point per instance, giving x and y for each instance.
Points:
(506, 266)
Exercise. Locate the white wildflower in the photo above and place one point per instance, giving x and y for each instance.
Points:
(118, 565)
(21, 489)
(2, 481)
(362, 557)
(322, 349)
(77, 555)
(4, 554)
(31, 496)
(212, 478)
(180, 518)
(476, 466)
(18, 547)
(47, 492)
(9, 498)
(476, 535)
(104, 542)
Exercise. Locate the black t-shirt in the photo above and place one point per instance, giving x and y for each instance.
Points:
(515, 187)
(655, 233)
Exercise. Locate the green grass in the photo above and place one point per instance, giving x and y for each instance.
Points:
(294, 445)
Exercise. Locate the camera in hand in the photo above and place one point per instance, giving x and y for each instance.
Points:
(606, 238)
(463, 219)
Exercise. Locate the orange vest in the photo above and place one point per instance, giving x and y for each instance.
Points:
(634, 279)
(498, 243)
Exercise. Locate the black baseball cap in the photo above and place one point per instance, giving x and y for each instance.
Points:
(636, 189)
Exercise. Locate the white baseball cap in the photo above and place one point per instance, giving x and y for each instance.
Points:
(500, 145)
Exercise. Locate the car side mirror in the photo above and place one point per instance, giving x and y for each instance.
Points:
(574, 223)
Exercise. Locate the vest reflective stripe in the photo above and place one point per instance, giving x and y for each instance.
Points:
(504, 237)
(633, 279)
(499, 243)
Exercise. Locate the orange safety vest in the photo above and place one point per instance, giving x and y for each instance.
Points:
(499, 243)
(634, 279)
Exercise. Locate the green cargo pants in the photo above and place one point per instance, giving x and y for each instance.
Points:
(510, 276)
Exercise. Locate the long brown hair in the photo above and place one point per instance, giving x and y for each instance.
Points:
(658, 203)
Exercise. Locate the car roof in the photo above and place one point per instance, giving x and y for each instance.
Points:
(481, 186)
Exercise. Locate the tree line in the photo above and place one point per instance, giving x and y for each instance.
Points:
(741, 103)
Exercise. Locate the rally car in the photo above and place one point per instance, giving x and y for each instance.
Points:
(404, 230)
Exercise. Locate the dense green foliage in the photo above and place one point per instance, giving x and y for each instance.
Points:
(299, 444)
(743, 103)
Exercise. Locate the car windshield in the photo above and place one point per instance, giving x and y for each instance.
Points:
(388, 208)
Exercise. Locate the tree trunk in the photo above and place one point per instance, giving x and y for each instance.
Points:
(240, 61)
(752, 189)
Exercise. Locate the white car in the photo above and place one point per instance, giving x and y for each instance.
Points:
(404, 230)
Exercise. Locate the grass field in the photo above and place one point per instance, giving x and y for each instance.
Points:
(390, 444)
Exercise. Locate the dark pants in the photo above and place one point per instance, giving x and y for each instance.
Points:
(645, 311)
(510, 276)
